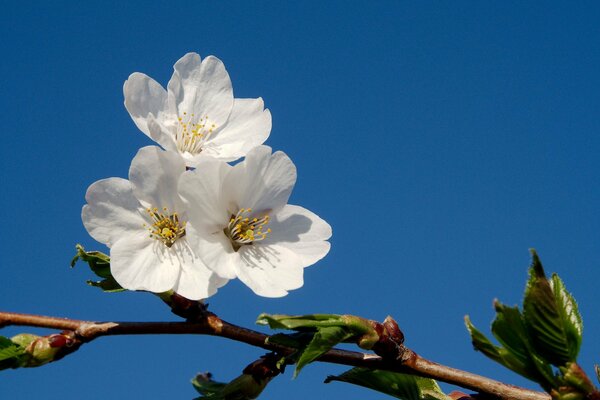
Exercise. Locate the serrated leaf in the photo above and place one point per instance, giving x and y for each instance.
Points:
(520, 356)
(323, 340)
(551, 326)
(569, 312)
(99, 263)
(401, 386)
(516, 355)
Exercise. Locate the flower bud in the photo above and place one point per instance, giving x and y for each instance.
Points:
(41, 350)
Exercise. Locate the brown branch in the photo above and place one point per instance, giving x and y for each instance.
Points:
(214, 326)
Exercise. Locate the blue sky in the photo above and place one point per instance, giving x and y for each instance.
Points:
(440, 140)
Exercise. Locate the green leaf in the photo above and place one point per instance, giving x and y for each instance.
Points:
(516, 353)
(204, 385)
(551, 317)
(12, 355)
(108, 285)
(321, 343)
(401, 386)
(510, 330)
(329, 330)
(569, 314)
(244, 387)
(99, 263)
(300, 322)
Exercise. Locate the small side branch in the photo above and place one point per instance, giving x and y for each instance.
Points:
(214, 326)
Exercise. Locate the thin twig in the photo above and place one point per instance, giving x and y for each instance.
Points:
(214, 326)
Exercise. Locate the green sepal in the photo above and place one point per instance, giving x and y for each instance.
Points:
(401, 386)
(551, 316)
(99, 263)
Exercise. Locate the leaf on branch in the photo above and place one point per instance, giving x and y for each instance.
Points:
(515, 353)
(551, 316)
(99, 263)
(401, 386)
(328, 329)
(546, 333)
(208, 388)
(247, 386)
(301, 322)
(12, 354)
(324, 339)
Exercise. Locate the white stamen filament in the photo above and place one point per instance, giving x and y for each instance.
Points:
(192, 133)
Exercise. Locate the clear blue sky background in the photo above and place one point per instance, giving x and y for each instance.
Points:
(440, 140)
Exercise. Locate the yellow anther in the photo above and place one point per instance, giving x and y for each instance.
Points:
(165, 227)
(245, 230)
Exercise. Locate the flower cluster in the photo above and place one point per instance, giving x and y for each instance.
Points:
(187, 220)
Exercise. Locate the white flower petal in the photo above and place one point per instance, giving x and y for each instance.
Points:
(301, 231)
(154, 175)
(201, 190)
(202, 88)
(216, 252)
(161, 134)
(248, 126)
(263, 181)
(144, 97)
(139, 262)
(270, 271)
(112, 211)
(195, 280)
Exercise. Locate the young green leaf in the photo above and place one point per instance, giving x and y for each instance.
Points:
(569, 314)
(515, 354)
(300, 322)
(329, 330)
(108, 285)
(99, 263)
(551, 317)
(323, 340)
(204, 385)
(11, 354)
(401, 386)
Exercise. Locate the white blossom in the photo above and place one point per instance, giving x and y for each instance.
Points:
(243, 227)
(144, 223)
(197, 115)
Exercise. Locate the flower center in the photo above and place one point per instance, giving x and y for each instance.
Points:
(245, 230)
(192, 133)
(165, 227)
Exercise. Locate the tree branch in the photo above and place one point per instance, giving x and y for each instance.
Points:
(214, 326)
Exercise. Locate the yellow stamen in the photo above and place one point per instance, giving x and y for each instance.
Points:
(245, 230)
(165, 227)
